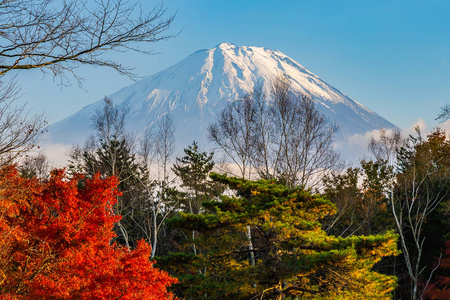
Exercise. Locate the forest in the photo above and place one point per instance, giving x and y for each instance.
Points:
(284, 225)
(273, 213)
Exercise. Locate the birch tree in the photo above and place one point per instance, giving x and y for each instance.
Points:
(422, 184)
(157, 150)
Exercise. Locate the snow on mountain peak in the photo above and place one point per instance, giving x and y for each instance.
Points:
(194, 90)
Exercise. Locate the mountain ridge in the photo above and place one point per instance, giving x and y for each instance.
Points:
(195, 89)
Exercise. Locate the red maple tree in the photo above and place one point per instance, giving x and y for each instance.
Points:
(55, 242)
(439, 289)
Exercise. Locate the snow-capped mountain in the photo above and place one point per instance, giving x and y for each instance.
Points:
(194, 90)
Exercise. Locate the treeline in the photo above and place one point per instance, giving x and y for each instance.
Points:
(292, 223)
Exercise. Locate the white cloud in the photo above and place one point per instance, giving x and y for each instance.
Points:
(446, 127)
(56, 153)
(354, 147)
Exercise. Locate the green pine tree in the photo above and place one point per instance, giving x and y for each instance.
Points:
(193, 170)
(294, 257)
(115, 158)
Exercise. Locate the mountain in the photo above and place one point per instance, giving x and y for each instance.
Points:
(194, 90)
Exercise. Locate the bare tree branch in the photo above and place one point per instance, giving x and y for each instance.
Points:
(285, 137)
(18, 129)
(444, 114)
(59, 36)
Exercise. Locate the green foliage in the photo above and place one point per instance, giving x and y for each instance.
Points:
(361, 196)
(193, 169)
(294, 256)
(422, 198)
(115, 158)
(428, 163)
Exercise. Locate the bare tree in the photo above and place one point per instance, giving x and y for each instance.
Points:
(386, 146)
(37, 166)
(420, 187)
(157, 150)
(303, 137)
(263, 160)
(284, 137)
(164, 152)
(57, 37)
(165, 144)
(416, 189)
(109, 121)
(60, 35)
(18, 130)
(444, 114)
(147, 146)
(234, 133)
(411, 210)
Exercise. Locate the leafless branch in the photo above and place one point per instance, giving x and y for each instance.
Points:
(60, 35)
(444, 114)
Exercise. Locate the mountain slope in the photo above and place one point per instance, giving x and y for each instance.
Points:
(194, 90)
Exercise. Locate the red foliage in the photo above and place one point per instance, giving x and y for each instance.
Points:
(55, 243)
(440, 288)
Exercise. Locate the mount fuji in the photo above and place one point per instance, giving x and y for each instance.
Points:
(194, 91)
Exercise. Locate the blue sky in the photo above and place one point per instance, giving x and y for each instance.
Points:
(391, 56)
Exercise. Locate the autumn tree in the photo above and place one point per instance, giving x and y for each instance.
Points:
(55, 242)
(361, 196)
(439, 288)
(421, 186)
(146, 198)
(109, 153)
(112, 151)
(294, 256)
